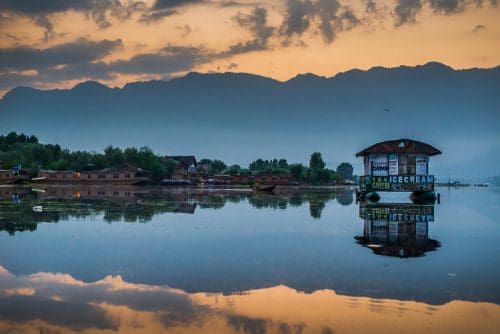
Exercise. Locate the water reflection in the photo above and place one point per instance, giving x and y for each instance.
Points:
(50, 303)
(225, 242)
(141, 204)
(397, 229)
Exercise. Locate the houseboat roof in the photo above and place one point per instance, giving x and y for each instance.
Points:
(186, 160)
(400, 146)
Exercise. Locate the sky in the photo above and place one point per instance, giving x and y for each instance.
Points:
(59, 43)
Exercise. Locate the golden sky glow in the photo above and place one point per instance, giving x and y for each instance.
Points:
(363, 34)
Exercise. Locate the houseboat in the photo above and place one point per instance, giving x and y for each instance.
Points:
(397, 165)
(107, 176)
(13, 176)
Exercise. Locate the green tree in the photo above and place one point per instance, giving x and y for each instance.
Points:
(114, 156)
(345, 170)
(316, 161)
(169, 168)
(297, 171)
(234, 169)
(217, 166)
(283, 164)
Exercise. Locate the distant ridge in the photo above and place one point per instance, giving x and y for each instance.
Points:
(240, 116)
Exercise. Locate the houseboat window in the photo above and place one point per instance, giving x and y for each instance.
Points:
(412, 165)
(379, 165)
(403, 164)
(89, 175)
(115, 175)
(52, 175)
(101, 176)
(127, 175)
(422, 165)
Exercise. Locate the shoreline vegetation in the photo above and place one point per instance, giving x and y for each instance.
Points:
(26, 152)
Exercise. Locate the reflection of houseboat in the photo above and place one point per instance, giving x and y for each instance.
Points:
(92, 177)
(397, 165)
(397, 229)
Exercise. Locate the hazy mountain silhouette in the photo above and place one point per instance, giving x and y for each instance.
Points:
(238, 117)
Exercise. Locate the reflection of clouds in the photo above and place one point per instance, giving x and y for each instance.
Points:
(76, 316)
(60, 303)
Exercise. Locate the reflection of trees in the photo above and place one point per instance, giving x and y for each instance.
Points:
(315, 208)
(345, 198)
(317, 199)
(212, 202)
(18, 215)
(268, 201)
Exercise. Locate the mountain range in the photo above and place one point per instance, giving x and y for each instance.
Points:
(240, 117)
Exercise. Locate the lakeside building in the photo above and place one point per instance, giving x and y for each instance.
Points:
(184, 166)
(397, 165)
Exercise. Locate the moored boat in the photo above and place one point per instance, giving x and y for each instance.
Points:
(107, 176)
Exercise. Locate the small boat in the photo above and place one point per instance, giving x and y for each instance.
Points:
(37, 208)
(258, 187)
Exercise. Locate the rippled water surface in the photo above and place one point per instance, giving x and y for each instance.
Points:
(216, 261)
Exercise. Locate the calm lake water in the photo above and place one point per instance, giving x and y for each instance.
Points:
(225, 261)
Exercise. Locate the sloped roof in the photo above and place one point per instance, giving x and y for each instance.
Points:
(186, 160)
(400, 146)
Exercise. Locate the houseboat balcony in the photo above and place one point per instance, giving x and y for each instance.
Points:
(401, 183)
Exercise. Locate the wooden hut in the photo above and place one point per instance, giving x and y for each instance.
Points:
(397, 165)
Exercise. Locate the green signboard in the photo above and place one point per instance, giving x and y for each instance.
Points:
(397, 183)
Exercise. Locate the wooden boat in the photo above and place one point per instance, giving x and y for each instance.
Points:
(269, 188)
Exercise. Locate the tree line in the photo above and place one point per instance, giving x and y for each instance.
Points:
(20, 149)
(314, 173)
(26, 151)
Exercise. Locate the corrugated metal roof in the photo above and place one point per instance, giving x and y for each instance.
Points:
(400, 146)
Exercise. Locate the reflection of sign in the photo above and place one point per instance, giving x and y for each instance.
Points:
(398, 217)
(379, 165)
(393, 164)
(397, 212)
(421, 165)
